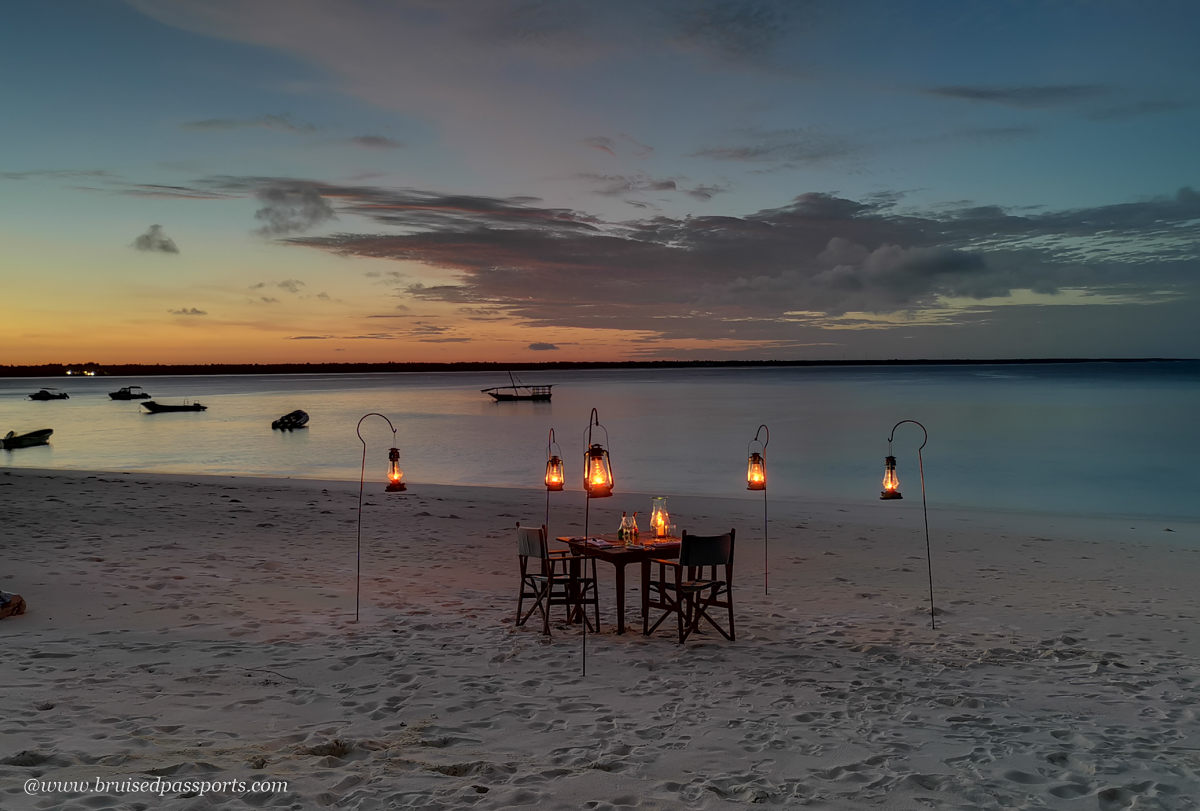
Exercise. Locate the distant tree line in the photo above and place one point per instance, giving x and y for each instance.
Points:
(150, 370)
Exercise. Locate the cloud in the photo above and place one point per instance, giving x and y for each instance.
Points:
(291, 208)
(156, 191)
(624, 186)
(761, 275)
(59, 174)
(542, 347)
(155, 240)
(739, 30)
(611, 146)
(309, 337)
(792, 146)
(290, 285)
(278, 123)
(375, 142)
(268, 300)
(1028, 97)
(1137, 109)
(187, 311)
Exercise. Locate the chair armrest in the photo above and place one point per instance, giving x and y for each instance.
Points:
(676, 564)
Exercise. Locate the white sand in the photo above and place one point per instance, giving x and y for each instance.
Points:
(200, 628)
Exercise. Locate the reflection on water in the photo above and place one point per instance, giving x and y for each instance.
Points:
(1090, 438)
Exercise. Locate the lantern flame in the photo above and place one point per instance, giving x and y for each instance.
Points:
(756, 472)
(891, 483)
(554, 473)
(395, 474)
(598, 478)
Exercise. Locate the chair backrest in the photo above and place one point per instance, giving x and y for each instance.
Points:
(531, 542)
(706, 550)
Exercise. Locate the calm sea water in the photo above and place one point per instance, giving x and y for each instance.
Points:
(1099, 439)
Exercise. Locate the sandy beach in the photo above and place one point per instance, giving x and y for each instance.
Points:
(201, 630)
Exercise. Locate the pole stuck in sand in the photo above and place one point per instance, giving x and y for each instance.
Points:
(597, 483)
(395, 485)
(891, 490)
(555, 477)
(756, 479)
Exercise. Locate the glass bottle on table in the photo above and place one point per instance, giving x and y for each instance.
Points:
(633, 527)
(623, 529)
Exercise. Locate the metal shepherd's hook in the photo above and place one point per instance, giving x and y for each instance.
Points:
(756, 483)
(924, 509)
(361, 478)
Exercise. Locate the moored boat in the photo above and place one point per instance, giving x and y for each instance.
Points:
(130, 393)
(518, 391)
(160, 408)
(290, 422)
(49, 394)
(14, 440)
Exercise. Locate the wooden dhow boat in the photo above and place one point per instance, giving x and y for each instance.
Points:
(518, 391)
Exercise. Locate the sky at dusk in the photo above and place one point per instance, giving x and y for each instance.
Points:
(209, 181)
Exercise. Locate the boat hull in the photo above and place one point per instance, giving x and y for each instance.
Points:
(126, 394)
(45, 395)
(13, 440)
(504, 398)
(290, 422)
(159, 408)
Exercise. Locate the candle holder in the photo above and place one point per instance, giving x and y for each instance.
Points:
(660, 519)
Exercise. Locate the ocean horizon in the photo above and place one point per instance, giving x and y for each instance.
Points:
(1086, 438)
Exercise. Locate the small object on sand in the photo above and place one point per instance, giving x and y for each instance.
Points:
(11, 604)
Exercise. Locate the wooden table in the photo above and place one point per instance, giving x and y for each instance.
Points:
(621, 556)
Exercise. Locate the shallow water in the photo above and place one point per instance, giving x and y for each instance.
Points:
(1093, 439)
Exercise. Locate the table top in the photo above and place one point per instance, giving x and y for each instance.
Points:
(607, 545)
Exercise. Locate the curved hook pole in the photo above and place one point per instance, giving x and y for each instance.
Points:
(594, 420)
(914, 422)
(766, 557)
(550, 443)
(925, 510)
(361, 479)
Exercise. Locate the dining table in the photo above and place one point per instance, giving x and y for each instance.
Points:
(608, 548)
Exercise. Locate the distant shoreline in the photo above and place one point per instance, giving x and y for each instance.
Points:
(152, 370)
